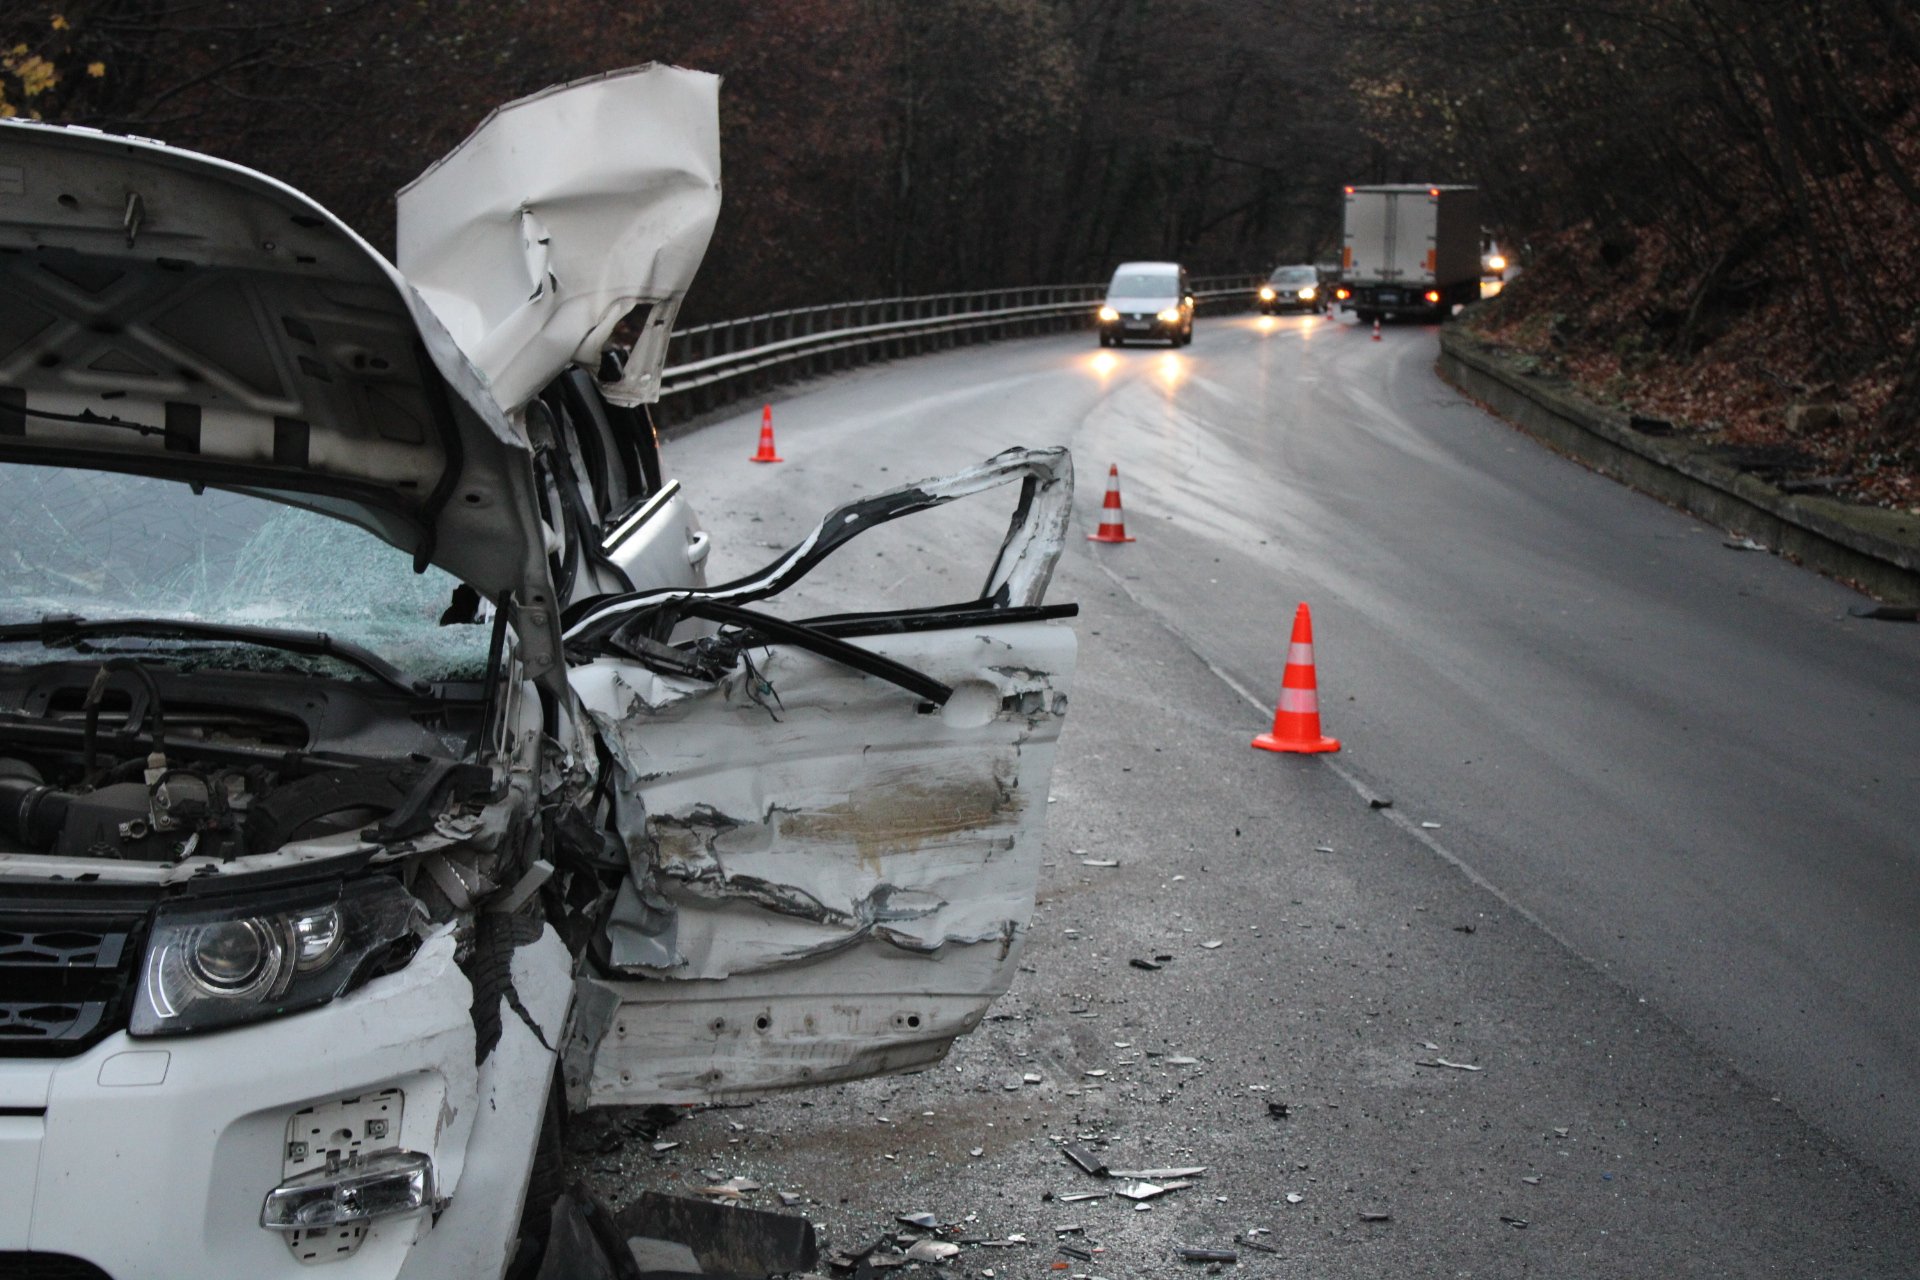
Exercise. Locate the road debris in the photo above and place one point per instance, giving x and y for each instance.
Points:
(1181, 1060)
(1087, 1161)
(1294, 1197)
(1374, 1215)
(1149, 1190)
(1075, 1197)
(677, 1233)
(1148, 965)
(1442, 1062)
(734, 1188)
(932, 1251)
(1429, 826)
(1248, 1242)
(1159, 1175)
(1214, 945)
(1208, 1255)
(1743, 544)
(1099, 862)
(1518, 1224)
(924, 1221)
(1279, 1110)
(1075, 1251)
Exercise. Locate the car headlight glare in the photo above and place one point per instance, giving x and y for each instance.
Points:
(1309, 293)
(225, 961)
(1496, 263)
(1266, 293)
(1108, 315)
(1170, 316)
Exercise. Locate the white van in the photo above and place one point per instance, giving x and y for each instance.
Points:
(1147, 300)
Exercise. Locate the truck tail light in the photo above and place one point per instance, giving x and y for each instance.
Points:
(1433, 295)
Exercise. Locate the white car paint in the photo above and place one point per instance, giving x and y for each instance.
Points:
(874, 785)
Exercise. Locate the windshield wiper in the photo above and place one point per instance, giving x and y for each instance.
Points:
(58, 630)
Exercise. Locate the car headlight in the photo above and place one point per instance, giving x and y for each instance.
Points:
(1309, 293)
(219, 964)
(1496, 263)
(1266, 293)
(1108, 315)
(1170, 316)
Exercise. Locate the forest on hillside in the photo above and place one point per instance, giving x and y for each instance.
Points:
(1717, 201)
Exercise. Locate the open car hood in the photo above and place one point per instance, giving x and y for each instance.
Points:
(569, 222)
(166, 313)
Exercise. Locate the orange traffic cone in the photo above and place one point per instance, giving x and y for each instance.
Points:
(1296, 723)
(1113, 524)
(766, 453)
(1376, 331)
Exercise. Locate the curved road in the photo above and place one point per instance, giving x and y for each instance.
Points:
(1685, 762)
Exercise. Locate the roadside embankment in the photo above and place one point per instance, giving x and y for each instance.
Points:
(1875, 549)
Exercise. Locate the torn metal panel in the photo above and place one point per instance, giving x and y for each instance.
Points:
(867, 1013)
(1018, 579)
(559, 216)
(811, 825)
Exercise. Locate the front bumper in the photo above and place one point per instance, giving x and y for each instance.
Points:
(1141, 326)
(154, 1157)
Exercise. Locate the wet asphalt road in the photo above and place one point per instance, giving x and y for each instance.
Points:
(1666, 904)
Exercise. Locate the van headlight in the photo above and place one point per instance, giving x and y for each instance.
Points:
(1108, 315)
(246, 958)
(1170, 316)
(1309, 293)
(1266, 293)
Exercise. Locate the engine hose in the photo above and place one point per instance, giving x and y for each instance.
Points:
(31, 812)
(98, 691)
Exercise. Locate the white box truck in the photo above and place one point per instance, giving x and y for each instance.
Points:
(1411, 249)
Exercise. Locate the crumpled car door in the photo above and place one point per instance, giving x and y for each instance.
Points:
(833, 827)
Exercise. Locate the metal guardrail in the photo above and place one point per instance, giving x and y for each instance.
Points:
(710, 365)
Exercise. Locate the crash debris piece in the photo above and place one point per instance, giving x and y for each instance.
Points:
(1087, 1161)
(1149, 965)
(1099, 862)
(1443, 1062)
(1149, 1190)
(1375, 1215)
(1181, 1060)
(1214, 945)
(724, 1239)
(1518, 1224)
(932, 1251)
(1294, 1197)
(1279, 1110)
(1247, 1242)
(1208, 1255)
(925, 1221)
(1159, 1175)
(1075, 1197)
(735, 1188)
(1031, 1077)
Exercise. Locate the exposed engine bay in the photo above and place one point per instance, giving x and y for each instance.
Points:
(116, 758)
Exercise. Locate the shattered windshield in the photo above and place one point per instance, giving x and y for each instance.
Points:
(106, 546)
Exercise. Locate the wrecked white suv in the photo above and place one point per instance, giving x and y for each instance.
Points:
(378, 774)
